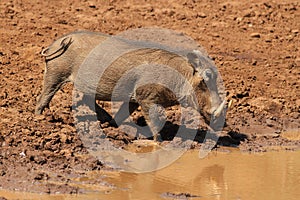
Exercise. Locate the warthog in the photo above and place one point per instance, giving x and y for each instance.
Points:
(65, 56)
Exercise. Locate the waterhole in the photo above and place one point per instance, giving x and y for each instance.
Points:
(223, 174)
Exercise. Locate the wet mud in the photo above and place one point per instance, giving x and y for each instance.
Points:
(223, 174)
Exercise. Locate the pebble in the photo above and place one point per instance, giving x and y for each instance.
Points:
(268, 40)
(249, 14)
(269, 123)
(255, 35)
(201, 15)
(289, 37)
(181, 17)
(297, 61)
(298, 102)
(39, 117)
(215, 35)
(239, 19)
(22, 154)
(92, 6)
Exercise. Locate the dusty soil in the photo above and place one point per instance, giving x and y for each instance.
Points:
(255, 45)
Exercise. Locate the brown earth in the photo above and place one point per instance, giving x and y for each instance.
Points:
(255, 45)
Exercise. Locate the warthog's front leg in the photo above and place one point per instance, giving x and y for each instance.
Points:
(152, 114)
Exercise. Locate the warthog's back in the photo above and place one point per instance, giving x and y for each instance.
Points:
(131, 68)
(83, 40)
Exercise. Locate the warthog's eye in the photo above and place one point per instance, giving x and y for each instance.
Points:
(207, 75)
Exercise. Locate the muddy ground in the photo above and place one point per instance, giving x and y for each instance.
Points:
(255, 45)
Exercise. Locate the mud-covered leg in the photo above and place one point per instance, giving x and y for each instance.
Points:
(102, 115)
(152, 114)
(124, 112)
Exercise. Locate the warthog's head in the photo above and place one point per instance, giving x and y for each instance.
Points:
(205, 84)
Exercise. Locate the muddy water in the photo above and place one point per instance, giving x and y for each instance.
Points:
(228, 174)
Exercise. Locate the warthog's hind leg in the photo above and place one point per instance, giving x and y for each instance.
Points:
(123, 113)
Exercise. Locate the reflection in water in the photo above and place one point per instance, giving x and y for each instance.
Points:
(234, 175)
(213, 176)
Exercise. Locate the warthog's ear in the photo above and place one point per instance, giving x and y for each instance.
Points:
(193, 58)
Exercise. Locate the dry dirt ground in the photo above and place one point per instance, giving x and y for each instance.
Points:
(255, 45)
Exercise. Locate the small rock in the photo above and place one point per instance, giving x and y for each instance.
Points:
(268, 40)
(239, 19)
(41, 176)
(297, 61)
(177, 196)
(22, 154)
(63, 138)
(249, 14)
(267, 5)
(92, 6)
(295, 31)
(201, 15)
(269, 123)
(105, 125)
(2, 173)
(62, 21)
(289, 37)
(255, 35)
(181, 17)
(39, 117)
(298, 102)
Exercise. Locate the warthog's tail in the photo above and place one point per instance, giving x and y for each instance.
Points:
(64, 44)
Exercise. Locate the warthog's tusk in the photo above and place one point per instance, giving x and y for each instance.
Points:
(219, 110)
(229, 104)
